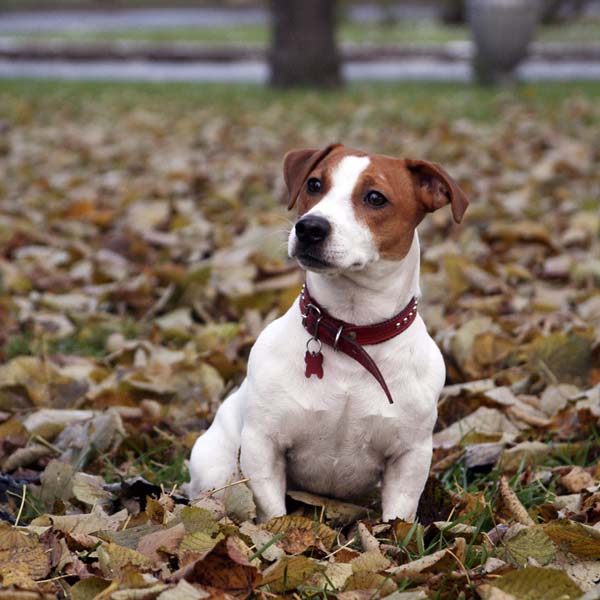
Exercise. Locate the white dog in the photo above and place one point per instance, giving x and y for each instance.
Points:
(341, 391)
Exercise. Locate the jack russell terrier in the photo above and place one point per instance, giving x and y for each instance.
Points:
(341, 392)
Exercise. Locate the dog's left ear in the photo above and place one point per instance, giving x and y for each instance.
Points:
(297, 165)
(435, 188)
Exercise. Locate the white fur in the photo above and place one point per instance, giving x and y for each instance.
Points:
(350, 245)
(337, 436)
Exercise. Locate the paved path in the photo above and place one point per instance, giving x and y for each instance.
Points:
(257, 71)
(163, 18)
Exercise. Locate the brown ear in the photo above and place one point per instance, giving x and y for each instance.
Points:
(297, 165)
(435, 188)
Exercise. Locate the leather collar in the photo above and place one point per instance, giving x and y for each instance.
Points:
(347, 337)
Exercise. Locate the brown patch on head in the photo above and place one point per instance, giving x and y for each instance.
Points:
(301, 165)
(297, 167)
(412, 188)
(392, 225)
(435, 188)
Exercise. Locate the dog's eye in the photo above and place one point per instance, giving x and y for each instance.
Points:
(375, 199)
(313, 186)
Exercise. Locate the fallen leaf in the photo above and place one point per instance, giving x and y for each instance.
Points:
(225, 567)
(22, 558)
(576, 538)
(167, 539)
(535, 583)
(290, 572)
(299, 533)
(530, 543)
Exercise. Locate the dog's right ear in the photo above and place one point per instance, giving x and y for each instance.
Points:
(297, 165)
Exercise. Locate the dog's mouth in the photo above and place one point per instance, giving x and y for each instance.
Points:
(309, 261)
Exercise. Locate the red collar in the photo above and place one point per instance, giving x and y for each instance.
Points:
(348, 338)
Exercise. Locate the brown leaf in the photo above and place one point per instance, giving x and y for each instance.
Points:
(299, 533)
(167, 540)
(576, 480)
(225, 567)
(574, 537)
(22, 558)
(335, 510)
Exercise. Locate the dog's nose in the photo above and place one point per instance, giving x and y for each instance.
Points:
(312, 229)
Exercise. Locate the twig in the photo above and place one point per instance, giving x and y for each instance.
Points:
(461, 564)
(41, 440)
(164, 434)
(159, 304)
(226, 486)
(53, 578)
(24, 493)
(126, 522)
(548, 371)
(514, 505)
(351, 541)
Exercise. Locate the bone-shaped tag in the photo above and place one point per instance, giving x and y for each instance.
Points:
(314, 364)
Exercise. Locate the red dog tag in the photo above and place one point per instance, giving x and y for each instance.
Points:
(314, 364)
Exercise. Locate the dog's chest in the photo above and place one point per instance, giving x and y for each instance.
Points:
(341, 450)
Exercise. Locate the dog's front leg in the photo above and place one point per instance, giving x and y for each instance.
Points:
(404, 478)
(263, 463)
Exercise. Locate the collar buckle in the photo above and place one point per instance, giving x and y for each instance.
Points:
(337, 337)
(306, 312)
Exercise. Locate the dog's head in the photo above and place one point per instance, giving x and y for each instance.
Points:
(355, 208)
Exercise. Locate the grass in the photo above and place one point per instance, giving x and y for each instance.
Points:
(86, 341)
(400, 32)
(422, 104)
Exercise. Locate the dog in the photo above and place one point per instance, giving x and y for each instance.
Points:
(341, 391)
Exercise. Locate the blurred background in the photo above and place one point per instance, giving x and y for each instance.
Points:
(294, 43)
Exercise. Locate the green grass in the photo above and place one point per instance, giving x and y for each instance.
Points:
(422, 104)
(401, 32)
(86, 341)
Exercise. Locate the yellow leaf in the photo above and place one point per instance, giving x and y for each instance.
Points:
(198, 541)
(531, 543)
(114, 558)
(290, 572)
(535, 583)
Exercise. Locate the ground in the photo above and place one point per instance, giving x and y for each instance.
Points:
(143, 250)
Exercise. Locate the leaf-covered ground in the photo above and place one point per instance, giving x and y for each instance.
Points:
(141, 253)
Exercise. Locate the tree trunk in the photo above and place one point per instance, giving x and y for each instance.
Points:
(559, 11)
(453, 12)
(303, 49)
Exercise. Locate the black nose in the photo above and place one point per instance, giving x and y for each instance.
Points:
(312, 229)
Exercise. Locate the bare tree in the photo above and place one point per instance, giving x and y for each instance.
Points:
(303, 48)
